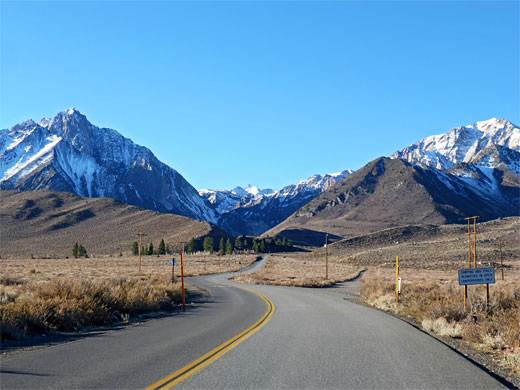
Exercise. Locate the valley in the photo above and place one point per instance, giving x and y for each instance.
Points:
(72, 211)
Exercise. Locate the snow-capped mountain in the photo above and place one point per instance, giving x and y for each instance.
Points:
(253, 211)
(67, 153)
(484, 155)
(464, 144)
(225, 200)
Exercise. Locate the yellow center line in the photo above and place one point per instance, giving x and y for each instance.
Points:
(180, 375)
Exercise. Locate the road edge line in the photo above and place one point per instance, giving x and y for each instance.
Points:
(205, 360)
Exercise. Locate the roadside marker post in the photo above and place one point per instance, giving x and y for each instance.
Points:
(501, 265)
(182, 280)
(326, 257)
(397, 281)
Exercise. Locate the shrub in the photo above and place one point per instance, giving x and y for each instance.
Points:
(68, 305)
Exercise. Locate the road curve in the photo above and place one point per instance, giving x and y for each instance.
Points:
(138, 356)
(316, 339)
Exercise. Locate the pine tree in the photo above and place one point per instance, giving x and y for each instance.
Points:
(135, 248)
(75, 250)
(168, 249)
(255, 246)
(192, 246)
(262, 247)
(208, 244)
(150, 249)
(229, 247)
(82, 252)
(238, 243)
(221, 247)
(162, 248)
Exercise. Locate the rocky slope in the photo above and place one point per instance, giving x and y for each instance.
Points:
(392, 192)
(68, 153)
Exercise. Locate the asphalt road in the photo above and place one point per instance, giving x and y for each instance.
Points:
(315, 339)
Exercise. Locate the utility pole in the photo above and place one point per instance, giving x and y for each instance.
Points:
(475, 240)
(469, 233)
(141, 234)
(469, 264)
(326, 257)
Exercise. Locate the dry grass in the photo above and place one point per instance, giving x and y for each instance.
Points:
(45, 295)
(15, 271)
(435, 300)
(432, 247)
(300, 270)
(66, 305)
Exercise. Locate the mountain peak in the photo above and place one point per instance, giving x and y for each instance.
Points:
(461, 144)
(68, 153)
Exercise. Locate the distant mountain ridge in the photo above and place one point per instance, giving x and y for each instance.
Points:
(253, 211)
(67, 153)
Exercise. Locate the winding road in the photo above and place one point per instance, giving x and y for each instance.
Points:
(272, 337)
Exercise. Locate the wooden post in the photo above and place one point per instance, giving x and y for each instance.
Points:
(173, 270)
(487, 296)
(501, 265)
(326, 257)
(397, 280)
(182, 279)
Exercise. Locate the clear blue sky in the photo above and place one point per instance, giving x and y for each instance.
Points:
(267, 93)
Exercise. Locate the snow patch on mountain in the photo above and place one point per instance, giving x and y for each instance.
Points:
(462, 144)
(68, 153)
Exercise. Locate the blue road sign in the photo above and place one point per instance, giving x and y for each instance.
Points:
(470, 276)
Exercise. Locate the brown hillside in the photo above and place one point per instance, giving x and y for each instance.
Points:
(48, 223)
(433, 247)
(388, 193)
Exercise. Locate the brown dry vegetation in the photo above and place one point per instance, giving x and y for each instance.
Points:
(67, 305)
(300, 271)
(45, 295)
(436, 302)
(432, 247)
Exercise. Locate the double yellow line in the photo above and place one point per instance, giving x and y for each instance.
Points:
(180, 375)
